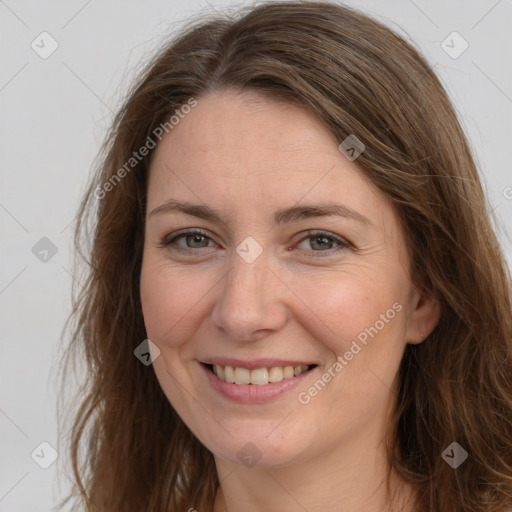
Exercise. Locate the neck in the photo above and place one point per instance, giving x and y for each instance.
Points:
(346, 478)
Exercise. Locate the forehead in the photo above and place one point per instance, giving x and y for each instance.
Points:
(240, 150)
(235, 126)
(242, 135)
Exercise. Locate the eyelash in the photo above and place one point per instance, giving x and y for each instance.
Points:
(343, 244)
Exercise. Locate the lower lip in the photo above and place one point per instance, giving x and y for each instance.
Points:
(252, 393)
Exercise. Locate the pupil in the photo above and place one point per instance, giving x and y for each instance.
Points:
(196, 238)
(323, 240)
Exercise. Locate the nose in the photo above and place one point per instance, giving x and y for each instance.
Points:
(252, 299)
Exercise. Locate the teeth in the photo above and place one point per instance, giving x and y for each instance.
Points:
(275, 374)
(229, 374)
(288, 372)
(258, 376)
(242, 376)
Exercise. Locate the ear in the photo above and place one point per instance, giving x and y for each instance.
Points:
(425, 313)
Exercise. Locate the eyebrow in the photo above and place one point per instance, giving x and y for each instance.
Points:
(282, 216)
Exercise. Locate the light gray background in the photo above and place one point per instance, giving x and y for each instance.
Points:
(54, 113)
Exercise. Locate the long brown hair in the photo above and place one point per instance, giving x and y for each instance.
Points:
(358, 77)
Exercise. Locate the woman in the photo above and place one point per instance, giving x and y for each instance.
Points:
(374, 376)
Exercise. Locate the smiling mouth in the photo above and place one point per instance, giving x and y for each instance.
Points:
(257, 376)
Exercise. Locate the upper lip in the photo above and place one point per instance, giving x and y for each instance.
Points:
(254, 363)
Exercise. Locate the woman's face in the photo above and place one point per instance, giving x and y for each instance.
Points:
(299, 261)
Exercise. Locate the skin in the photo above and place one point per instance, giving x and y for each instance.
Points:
(246, 157)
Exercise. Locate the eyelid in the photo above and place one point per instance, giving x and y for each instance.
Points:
(342, 242)
(168, 239)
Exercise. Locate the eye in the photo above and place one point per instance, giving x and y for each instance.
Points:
(322, 242)
(194, 239)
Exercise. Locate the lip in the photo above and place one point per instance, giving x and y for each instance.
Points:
(255, 363)
(251, 393)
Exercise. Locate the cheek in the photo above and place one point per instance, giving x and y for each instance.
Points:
(362, 322)
(342, 305)
(169, 301)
